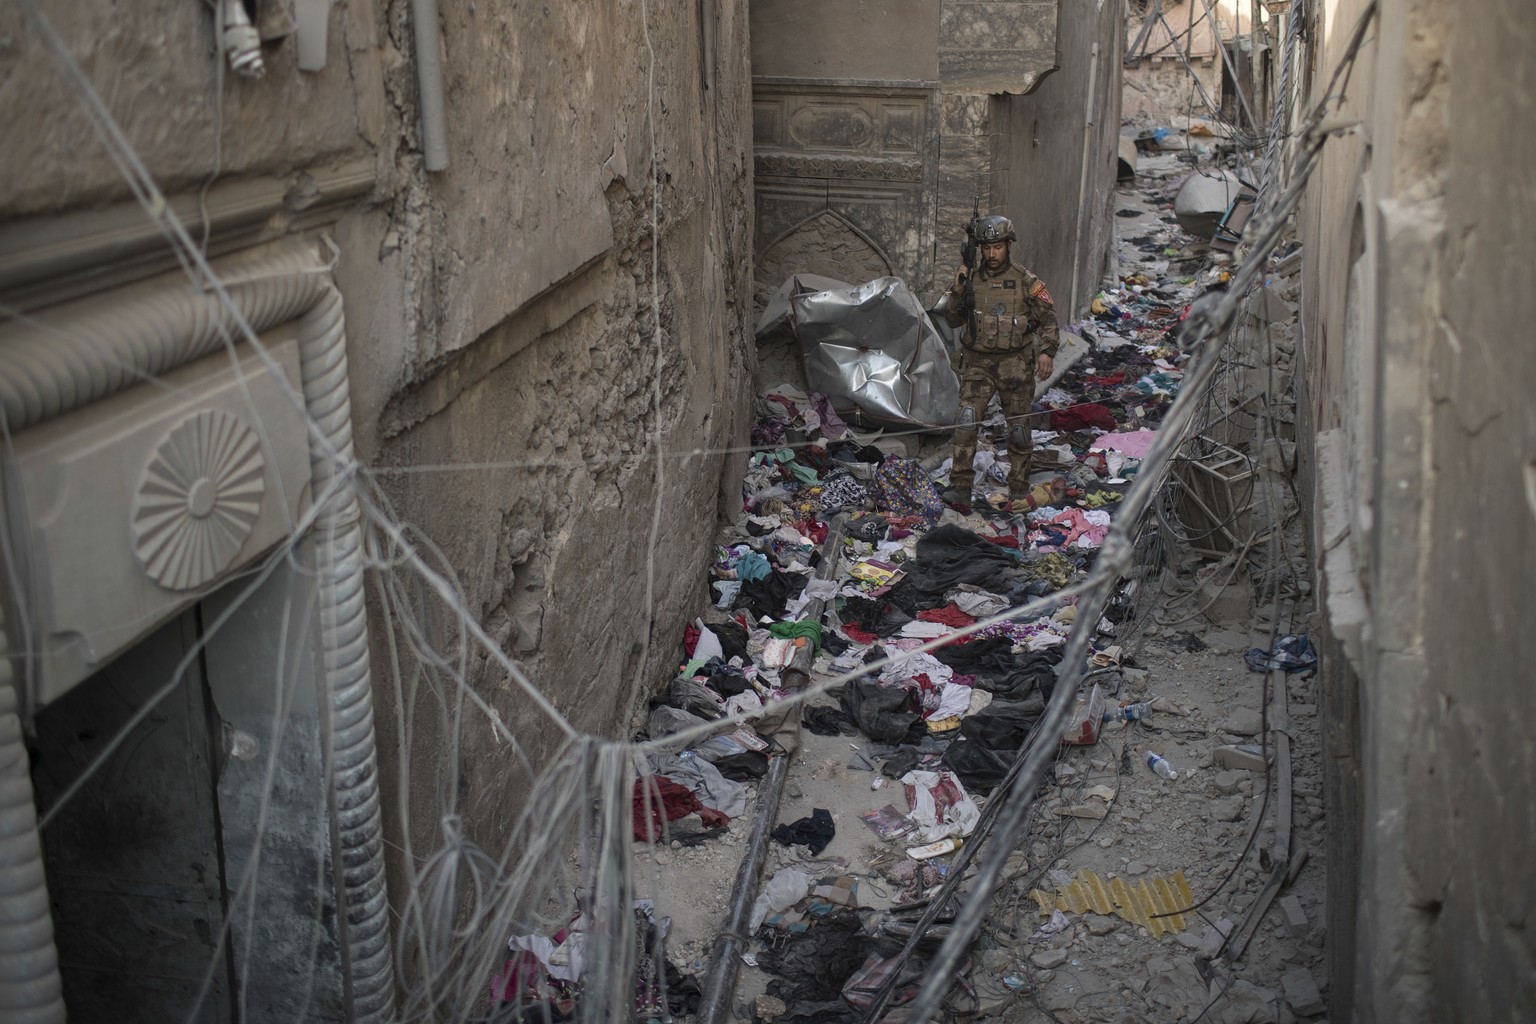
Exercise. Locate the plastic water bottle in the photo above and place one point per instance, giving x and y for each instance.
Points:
(1129, 713)
(1160, 764)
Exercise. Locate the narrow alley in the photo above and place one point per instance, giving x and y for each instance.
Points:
(760, 512)
(1129, 896)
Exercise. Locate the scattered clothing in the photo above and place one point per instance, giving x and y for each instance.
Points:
(1290, 652)
(815, 832)
(901, 488)
(658, 800)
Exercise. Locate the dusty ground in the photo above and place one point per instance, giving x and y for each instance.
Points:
(1104, 810)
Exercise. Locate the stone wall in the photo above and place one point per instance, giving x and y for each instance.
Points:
(870, 159)
(527, 268)
(869, 156)
(509, 379)
(1421, 459)
(1055, 171)
(1160, 88)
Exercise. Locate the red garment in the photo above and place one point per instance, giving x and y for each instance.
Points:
(668, 801)
(1006, 540)
(949, 615)
(1080, 417)
(690, 640)
(858, 635)
(903, 521)
(813, 529)
(1108, 380)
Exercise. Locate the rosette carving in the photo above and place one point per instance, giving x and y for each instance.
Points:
(198, 499)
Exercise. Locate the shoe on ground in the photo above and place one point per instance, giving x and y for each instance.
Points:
(955, 496)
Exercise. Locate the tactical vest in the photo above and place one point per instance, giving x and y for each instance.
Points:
(1003, 311)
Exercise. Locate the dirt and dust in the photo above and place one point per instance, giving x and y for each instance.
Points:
(1062, 941)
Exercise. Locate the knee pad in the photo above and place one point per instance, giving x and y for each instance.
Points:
(967, 417)
(1019, 435)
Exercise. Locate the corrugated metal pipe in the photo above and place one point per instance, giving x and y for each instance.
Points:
(30, 990)
(354, 771)
(82, 358)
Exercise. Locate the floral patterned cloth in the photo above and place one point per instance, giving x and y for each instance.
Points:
(901, 488)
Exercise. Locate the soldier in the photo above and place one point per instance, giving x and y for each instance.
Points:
(1011, 340)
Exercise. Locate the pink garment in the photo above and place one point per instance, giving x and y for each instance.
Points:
(1133, 443)
(1081, 528)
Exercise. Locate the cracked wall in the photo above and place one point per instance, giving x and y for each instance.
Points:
(527, 267)
(1418, 236)
(508, 387)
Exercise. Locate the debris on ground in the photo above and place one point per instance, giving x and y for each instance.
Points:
(846, 573)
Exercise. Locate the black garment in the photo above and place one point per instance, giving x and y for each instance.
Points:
(989, 742)
(811, 967)
(726, 680)
(768, 595)
(826, 721)
(833, 643)
(749, 764)
(868, 528)
(946, 557)
(881, 712)
(683, 993)
(1001, 672)
(877, 617)
(898, 764)
(816, 832)
(733, 639)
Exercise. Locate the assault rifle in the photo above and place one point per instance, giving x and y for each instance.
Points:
(968, 257)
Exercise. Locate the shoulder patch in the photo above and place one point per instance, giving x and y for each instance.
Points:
(1039, 292)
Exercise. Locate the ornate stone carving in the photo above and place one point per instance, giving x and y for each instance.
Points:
(198, 499)
(791, 165)
(824, 125)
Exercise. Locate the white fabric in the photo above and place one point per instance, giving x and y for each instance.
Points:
(708, 645)
(916, 664)
(954, 699)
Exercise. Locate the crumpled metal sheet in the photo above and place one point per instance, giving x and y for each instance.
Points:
(868, 347)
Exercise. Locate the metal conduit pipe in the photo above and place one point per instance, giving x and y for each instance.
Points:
(30, 989)
(1082, 182)
(62, 361)
(354, 771)
(68, 360)
(720, 982)
(429, 83)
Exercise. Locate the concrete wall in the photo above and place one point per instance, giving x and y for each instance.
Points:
(895, 43)
(1055, 169)
(507, 381)
(1160, 88)
(1418, 233)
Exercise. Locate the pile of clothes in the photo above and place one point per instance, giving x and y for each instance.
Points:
(946, 723)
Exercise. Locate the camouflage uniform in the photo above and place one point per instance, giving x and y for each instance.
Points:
(1015, 323)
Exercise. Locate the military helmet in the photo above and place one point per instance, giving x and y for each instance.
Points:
(995, 228)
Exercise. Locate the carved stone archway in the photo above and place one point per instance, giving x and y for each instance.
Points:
(825, 243)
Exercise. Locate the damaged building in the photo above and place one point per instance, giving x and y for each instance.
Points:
(500, 257)
(424, 597)
(875, 133)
